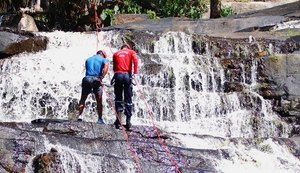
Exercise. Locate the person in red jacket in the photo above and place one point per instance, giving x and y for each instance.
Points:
(123, 60)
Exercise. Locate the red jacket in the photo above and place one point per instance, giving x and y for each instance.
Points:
(123, 60)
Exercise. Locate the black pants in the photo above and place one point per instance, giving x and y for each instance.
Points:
(91, 84)
(122, 86)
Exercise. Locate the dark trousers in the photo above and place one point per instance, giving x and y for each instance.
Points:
(122, 86)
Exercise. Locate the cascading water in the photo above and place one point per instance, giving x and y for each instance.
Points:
(47, 83)
(185, 91)
(1, 18)
(194, 101)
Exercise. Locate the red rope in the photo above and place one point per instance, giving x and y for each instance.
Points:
(124, 133)
(97, 21)
(155, 128)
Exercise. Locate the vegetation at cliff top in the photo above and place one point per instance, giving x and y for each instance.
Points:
(79, 15)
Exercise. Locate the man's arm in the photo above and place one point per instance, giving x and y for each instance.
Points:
(135, 63)
(105, 69)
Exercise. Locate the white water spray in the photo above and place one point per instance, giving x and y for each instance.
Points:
(1, 18)
(186, 95)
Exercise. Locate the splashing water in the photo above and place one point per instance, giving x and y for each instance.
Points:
(1, 18)
(287, 25)
(46, 83)
(269, 157)
(72, 160)
(195, 103)
(185, 94)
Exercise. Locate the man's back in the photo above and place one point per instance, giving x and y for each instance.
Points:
(94, 65)
(122, 60)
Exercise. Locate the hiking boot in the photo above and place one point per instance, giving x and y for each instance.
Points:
(128, 126)
(100, 121)
(117, 124)
(128, 123)
(80, 119)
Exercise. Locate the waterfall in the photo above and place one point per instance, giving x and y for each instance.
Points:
(1, 18)
(47, 83)
(193, 99)
(184, 90)
(185, 93)
(287, 24)
(72, 160)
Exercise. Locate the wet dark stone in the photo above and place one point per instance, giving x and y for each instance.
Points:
(94, 139)
(233, 87)
(15, 43)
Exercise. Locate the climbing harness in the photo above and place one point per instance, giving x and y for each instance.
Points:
(111, 103)
(98, 28)
(124, 133)
(153, 124)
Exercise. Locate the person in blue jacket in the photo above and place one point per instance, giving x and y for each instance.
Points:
(96, 68)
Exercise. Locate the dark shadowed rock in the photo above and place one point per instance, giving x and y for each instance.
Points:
(233, 87)
(12, 43)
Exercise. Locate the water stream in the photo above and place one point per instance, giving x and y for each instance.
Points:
(1, 18)
(186, 95)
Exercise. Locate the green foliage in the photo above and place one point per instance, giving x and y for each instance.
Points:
(182, 8)
(108, 13)
(130, 6)
(292, 33)
(195, 13)
(40, 17)
(152, 14)
(226, 11)
(78, 14)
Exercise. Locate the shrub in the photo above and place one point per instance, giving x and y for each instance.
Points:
(226, 11)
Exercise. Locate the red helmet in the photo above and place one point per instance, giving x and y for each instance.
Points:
(103, 53)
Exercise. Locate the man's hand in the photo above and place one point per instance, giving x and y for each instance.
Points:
(100, 79)
(133, 80)
(132, 76)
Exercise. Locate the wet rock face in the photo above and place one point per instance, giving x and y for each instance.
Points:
(277, 71)
(281, 83)
(12, 43)
(276, 60)
(61, 146)
(47, 162)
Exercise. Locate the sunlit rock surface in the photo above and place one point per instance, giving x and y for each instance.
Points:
(63, 146)
(80, 146)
